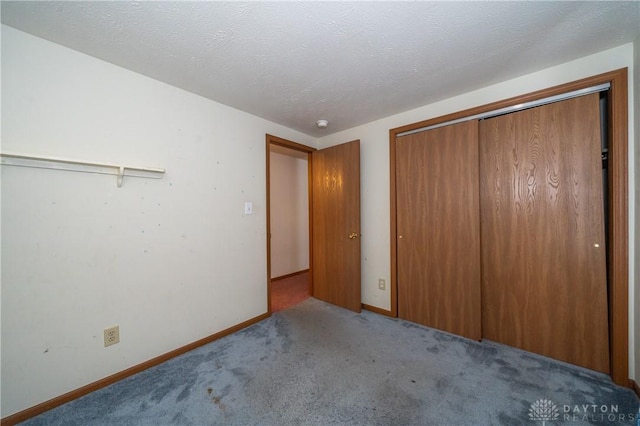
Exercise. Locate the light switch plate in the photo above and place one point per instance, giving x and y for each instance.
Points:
(248, 207)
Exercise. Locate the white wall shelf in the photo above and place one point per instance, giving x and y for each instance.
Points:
(120, 171)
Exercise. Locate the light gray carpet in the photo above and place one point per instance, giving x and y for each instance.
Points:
(316, 364)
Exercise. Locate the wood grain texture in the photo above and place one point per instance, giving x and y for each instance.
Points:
(393, 225)
(438, 244)
(336, 215)
(618, 201)
(618, 226)
(543, 255)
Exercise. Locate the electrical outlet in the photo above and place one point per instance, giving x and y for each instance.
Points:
(111, 336)
(382, 284)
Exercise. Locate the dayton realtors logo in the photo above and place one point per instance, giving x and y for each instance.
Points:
(545, 410)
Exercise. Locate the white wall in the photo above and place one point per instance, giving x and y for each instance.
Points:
(374, 148)
(170, 261)
(289, 214)
(0, 231)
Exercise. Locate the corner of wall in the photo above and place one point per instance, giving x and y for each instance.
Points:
(0, 209)
(634, 326)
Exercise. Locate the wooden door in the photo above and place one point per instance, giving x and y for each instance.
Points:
(543, 249)
(336, 225)
(438, 227)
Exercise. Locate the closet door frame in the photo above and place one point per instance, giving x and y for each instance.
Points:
(618, 249)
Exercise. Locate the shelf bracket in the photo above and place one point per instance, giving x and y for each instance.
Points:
(120, 176)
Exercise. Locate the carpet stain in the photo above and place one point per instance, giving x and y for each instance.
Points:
(446, 337)
(442, 384)
(509, 371)
(434, 349)
(184, 394)
(240, 373)
(396, 406)
(482, 355)
(161, 391)
(533, 386)
(283, 332)
(255, 331)
(411, 325)
(216, 401)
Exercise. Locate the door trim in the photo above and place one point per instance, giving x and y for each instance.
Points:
(274, 140)
(618, 272)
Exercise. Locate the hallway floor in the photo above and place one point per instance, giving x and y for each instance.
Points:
(289, 291)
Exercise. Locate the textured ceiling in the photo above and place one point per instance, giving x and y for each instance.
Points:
(348, 62)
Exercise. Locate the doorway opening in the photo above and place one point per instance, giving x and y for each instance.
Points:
(288, 223)
(333, 184)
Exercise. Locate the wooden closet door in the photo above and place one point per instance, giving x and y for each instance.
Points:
(438, 246)
(543, 249)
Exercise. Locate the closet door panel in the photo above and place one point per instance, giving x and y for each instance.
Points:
(543, 248)
(438, 246)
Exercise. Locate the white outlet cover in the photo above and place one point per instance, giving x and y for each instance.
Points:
(111, 336)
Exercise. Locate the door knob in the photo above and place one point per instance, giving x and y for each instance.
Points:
(353, 235)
